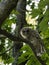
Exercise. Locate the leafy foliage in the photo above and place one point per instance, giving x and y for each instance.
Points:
(27, 56)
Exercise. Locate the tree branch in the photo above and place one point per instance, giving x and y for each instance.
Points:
(6, 7)
(9, 35)
(14, 38)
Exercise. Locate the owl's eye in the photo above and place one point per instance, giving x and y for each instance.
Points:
(27, 30)
(24, 31)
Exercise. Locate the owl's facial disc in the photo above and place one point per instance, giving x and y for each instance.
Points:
(22, 32)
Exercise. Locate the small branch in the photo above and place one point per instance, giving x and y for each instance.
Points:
(6, 7)
(14, 38)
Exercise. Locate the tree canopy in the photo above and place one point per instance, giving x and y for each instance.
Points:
(14, 15)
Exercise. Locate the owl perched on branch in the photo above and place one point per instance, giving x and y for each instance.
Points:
(34, 38)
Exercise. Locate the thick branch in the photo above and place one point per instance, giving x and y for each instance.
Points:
(14, 38)
(9, 35)
(6, 7)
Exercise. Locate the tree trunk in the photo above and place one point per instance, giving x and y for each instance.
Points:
(21, 8)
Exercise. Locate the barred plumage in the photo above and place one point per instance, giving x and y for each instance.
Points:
(33, 36)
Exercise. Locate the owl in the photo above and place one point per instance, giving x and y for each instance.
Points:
(34, 37)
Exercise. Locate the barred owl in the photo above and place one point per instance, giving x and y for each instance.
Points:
(34, 38)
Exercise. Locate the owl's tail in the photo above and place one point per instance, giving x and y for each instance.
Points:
(42, 50)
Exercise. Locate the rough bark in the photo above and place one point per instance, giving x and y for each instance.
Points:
(21, 5)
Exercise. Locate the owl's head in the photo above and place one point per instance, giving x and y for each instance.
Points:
(26, 32)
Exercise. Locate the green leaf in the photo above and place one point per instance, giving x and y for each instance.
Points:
(43, 26)
(35, 12)
(42, 4)
(10, 60)
(26, 48)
